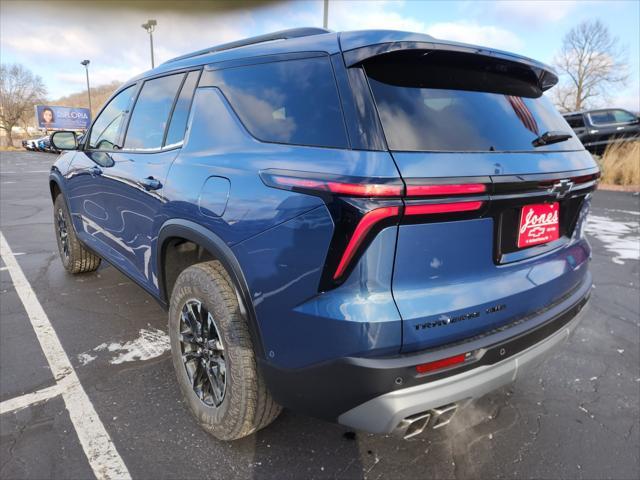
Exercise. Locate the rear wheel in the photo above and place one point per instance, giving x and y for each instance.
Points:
(75, 258)
(213, 355)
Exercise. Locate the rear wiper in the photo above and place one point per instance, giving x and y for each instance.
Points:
(553, 136)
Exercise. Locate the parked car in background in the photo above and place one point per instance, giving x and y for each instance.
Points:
(44, 144)
(31, 144)
(334, 226)
(598, 128)
(41, 144)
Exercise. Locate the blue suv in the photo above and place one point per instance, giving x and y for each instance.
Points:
(369, 227)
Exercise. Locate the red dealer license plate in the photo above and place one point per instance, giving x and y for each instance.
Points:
(539, 224)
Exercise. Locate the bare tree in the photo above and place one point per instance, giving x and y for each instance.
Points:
(20, 89)
(591, 63)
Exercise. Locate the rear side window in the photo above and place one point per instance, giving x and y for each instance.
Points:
(443, 101)
(602, 118)
(151, 113)
(178, 123)
(294, 101)
(105, 130)
(575, 121)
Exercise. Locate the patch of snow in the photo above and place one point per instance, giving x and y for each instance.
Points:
(630, 212)
(151, 343)
(620, 238)
(85, 358)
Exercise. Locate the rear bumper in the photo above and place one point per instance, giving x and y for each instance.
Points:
(383, 414)
(376, 394)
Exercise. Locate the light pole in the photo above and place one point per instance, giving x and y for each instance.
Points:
(86, 69)
(150, 27)
(325, 18)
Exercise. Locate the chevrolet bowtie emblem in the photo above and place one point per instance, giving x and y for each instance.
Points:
(561, 188)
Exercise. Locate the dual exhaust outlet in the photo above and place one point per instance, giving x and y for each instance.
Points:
(417, 423)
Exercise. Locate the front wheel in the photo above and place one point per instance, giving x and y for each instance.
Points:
(213, 355)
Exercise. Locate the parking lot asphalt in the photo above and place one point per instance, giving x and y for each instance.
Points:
(576, 416)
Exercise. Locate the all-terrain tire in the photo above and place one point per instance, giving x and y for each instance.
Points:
(75, 257)
(247, 405)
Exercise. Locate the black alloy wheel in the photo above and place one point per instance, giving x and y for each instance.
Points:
(203, 353)
(63, 233)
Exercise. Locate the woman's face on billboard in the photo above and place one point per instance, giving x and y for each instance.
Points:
(47, 116)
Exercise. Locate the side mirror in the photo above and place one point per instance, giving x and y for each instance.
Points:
(64, 140)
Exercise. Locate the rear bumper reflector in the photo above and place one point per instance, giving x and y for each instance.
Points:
(442, 363)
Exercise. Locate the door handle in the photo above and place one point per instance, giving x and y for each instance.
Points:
(95, 171)
(150, 183)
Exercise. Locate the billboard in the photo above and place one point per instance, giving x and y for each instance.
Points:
(62, 118)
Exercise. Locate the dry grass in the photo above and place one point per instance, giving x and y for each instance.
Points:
(620, 164)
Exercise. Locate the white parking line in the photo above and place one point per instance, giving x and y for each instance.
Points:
(96, 442)
(23, 401)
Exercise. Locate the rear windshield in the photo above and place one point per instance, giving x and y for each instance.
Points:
(443, 101)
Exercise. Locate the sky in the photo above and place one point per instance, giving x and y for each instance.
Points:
(51, 38)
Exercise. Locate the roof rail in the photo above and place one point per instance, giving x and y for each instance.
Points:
(281, 35)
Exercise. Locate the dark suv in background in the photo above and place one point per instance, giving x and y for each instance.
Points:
(598, 128)
(370, 227)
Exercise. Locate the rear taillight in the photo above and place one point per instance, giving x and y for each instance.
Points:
(452, 189)
(338, 186)
(365, 225)
(432, 208)
(362, 207)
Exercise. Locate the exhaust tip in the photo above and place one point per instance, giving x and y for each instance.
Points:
(436, 418)
(442, 415)
(413, 425)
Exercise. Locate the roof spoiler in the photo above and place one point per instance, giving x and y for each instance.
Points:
(281, 35)
(547, 78)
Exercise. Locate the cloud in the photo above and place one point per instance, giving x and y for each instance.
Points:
(471, 32)
(532, 12)
(344, 15)
(628, 99)
(355, 15)
(98, 76)
(45, 41)
(112, 39)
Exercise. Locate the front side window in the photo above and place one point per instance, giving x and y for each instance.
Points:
(609, 117)
(293, 101)
(151, 113)
(104, 132)
(622, 116)
(443, 101)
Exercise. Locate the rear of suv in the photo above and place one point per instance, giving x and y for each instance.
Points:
(369, 227)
